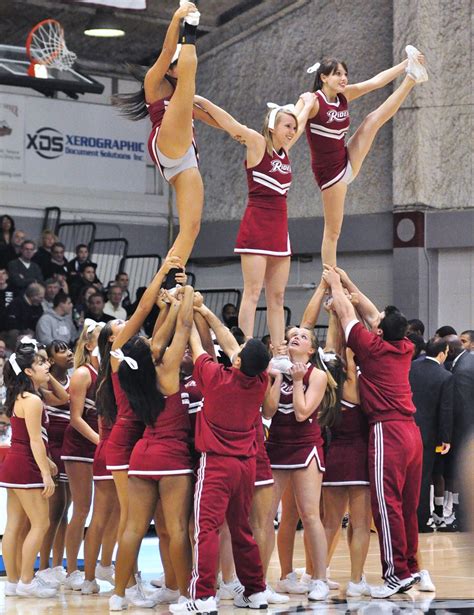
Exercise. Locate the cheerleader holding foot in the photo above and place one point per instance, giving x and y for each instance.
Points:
(334, 163)
(263, 240)
(26, 472)
(166, 95)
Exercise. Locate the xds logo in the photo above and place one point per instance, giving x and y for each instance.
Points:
(47, 142)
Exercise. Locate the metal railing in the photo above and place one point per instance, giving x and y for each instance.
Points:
(141, 269)
(73, 233)
(108, 253)
(260, 328)
(215, 299)
(51, 218)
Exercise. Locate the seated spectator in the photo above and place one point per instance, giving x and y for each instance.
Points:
(22, 270)
(95, 309)
(113, 307)
(230, 315)
(81, 258)
(87, 277)
(58, 324)
(58, 262)
(416, 326)
(24, 312)
(6, 297)
(419, 346)
(467, 340)
(122, 280)
(51, 289)
(13, 249)
(267, 340)
(43, 255)
(3, 350)
(7, 228)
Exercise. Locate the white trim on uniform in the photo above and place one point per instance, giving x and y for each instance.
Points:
(345, 483)
(265, 181)
(334, 104)
(334, 180)
(266, 252)
(197, 505)
(261, 483)
(27, 486)
(161, 472)
(350, 325)
(103, 478)
(71, 458)
(112, 468)
(300, 466)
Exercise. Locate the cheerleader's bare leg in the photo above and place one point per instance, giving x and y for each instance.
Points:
(189, 191)
(287, 530)
(253, 271)
(276, 279)
(80, 482)
(261, 522)
(37, 509)
(16, 519)
(361, 516)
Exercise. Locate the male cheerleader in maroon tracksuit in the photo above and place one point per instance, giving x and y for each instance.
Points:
(395, 447)
(226, 438)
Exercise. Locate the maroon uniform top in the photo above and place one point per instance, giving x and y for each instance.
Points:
(20, 436)
(60, 415)
(232, 400)
(269, 181)
(326, 131)
(352, 424)
(90, 411)
(384, 386)
(285, 429)
(173, 421)
(104, 429)
(124, 409)
(190, 386)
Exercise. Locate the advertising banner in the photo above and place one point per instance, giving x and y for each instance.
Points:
(12, 122)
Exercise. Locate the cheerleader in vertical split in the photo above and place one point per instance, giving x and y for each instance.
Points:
(80, 440)
(160, 465)
(335, 164)
(61, 360)
(294, 444)
(26, 472)
(263, 241)
(166, 96)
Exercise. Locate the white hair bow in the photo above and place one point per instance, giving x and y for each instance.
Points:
(118, 354)
(322, 355)
(13, 362)
(275, 109)
(26, 340)
(314, 68)
(96, 353)
(92, 324)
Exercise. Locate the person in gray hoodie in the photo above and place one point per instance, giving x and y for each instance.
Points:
(57, 324)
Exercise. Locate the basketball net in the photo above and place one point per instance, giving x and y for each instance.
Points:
(46, 46)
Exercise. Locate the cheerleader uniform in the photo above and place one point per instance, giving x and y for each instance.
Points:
(19, 469)
(326, 133)
(264, 227)
(75, 446)
(190, 388)
(264, 474)
(164, 448)
(99, 467)
(125, 433)
(169, 167)
(347, 457)
(59, 417)
(292, 444)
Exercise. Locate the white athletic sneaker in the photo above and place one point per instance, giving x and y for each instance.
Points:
(329, 582)
(159, 581)
(274, 598)
(228, 591)
(59, 573)
(389, 588)
(254, 601)
(414, 69)
(136, 595)
(354, 590)
(206, 606)
(74, 580)
(48, 576)
(318, 590)
(36, 589)
(90, 587)
(281, 363)
(425, 583)
(105, 573)
(118, 603)
(305, 578)
(291, 585)
(10, 588)
(164, 595)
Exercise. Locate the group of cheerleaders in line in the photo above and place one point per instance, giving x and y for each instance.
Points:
(132, 409)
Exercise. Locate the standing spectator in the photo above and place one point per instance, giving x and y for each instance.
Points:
(22, 270)
(113, 307)
(24, 312)
(81, 258)
(432, 395)
(122, 280)
(58, 324)
(58, 263)
(86, 277)
(416, 326)
(13, 249)
(52, 288)
(418, 346)
(7, 228)
(95, 309)
(467, 340)
(43, 254)
(230, 315)
(6, 297)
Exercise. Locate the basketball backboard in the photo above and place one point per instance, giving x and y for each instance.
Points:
(14, 65)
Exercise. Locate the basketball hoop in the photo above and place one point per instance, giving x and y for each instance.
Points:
(46, 46)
